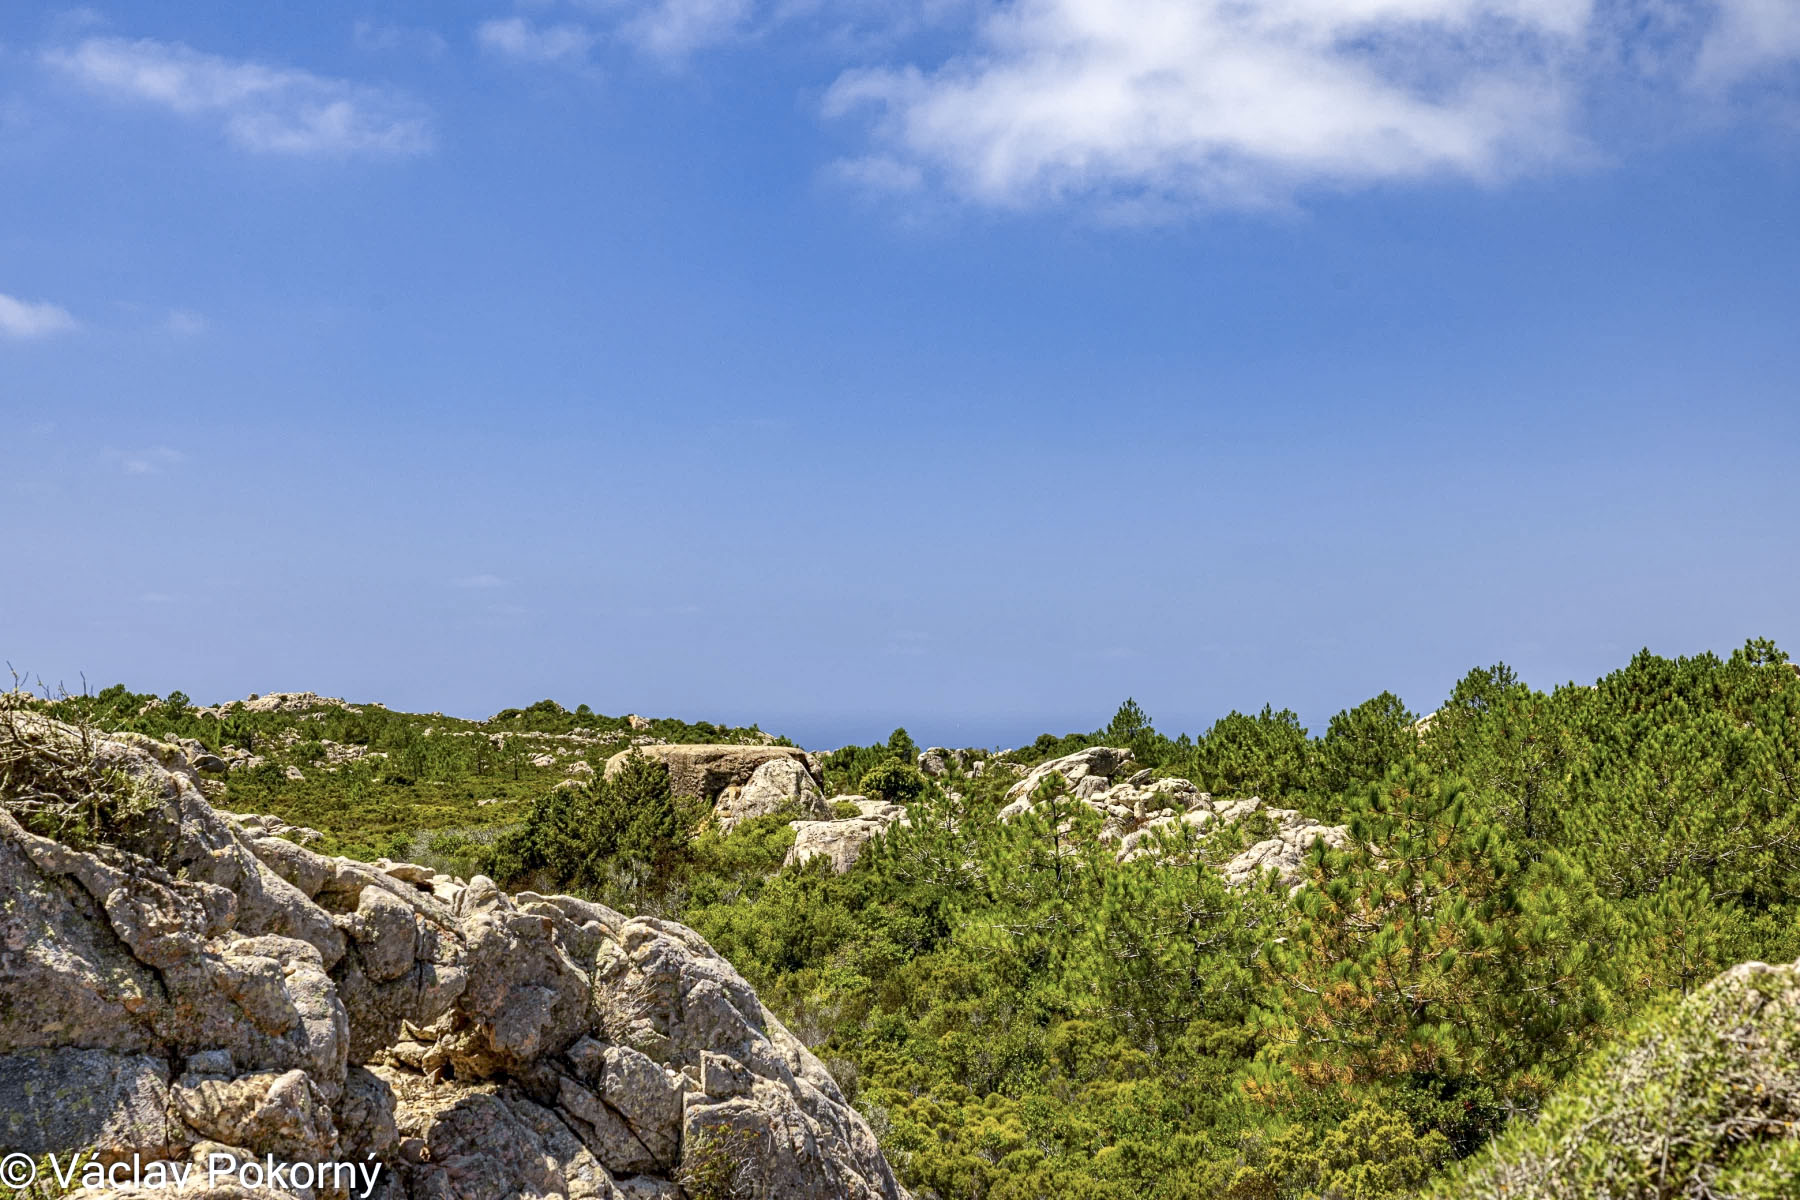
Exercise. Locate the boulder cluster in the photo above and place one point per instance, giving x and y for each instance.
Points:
(936, 761)
(1134, 809)
(203, 986)
(1137, 808)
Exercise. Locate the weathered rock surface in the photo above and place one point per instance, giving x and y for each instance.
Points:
(936, 761)
(1136, 811)
(1286, 836)
(842, 840)
(288, 702)
(204, 987)
(1099, 762)
(779, 783)
(706, 770)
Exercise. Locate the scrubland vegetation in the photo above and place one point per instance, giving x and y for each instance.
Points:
(1533, 883)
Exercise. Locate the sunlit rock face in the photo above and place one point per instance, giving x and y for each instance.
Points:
(200, 986)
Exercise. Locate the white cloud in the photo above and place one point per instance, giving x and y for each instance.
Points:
(151, 461)
(1148, 105)
(278, 110)
(522, 41)
(1751, 36)
(26, 319)
(673, 28)
(1226, 101)
(482, 582)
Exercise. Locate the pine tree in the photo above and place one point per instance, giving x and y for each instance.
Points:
(1432, 948)
(1170, 944)
(1130, 727)
(1264, 755)
(1039, 876)
(1361, 744)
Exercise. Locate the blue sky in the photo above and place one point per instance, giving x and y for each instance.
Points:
(838, 364)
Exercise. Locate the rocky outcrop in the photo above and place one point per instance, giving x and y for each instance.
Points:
(936, 761)
(200, 986)
(292, 702)
(1280, 837)
(706, 770)
(780, 784)
(1139, 811)
(841, 841)
(1096, 763)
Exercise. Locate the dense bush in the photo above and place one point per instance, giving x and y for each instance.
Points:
(846, 767)
(613, 837)
(894, 781)
(1027, 1018)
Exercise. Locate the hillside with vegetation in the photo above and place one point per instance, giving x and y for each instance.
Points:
(374, 781)
(1504, 913)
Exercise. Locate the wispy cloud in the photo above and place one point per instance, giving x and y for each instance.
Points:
(520, 40)
(377, 37)
(673, 28)
(151, 461)
(482, 582)
(264, 108)
(662, 29)
(1750, 37)
(26, 320)
(184, 323)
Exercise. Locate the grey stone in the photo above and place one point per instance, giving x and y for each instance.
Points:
(210, 1062)
(64, 1100)
(706, 770)
(841, 841)
(1100, 763)
(477, 1044)
(776, 785)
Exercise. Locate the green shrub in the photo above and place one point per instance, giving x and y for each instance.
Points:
(611, 837)
(1699, 1098)
(1373, 1154)
(893, 781)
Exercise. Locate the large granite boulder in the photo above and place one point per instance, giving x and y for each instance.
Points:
(777, 785)
(937, 761)
(197, 987)
(706, 770)
(841, 841)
